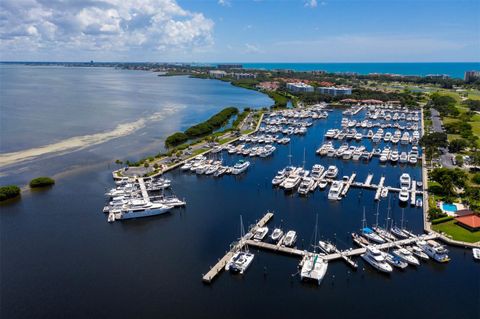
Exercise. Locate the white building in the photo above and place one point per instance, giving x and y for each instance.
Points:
(334, 90)
(239, 76)
(299, 87)
(218, 74)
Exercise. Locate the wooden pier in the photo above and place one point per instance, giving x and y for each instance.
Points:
(348, 184)
(143, 189)
(220, 265)
(380, 187)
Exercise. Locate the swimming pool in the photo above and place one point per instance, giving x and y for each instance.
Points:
(449, 207)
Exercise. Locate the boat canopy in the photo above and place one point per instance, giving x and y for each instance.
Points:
(367, 230)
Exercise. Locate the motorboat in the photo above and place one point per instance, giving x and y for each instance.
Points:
(326, 246)
(139, 208)
(476, 253)
(291, 181)
(405, 180)
(314, 267)
(376, 259)
(359, 240)
(406, 256)
(240, 167)
(335, 190)
(279, 178)
(332, 172)
(290, 238)
(239, 262)
(403, 157)
(220, 171)
(434, 250)
(267, 151)
(306, 185)
(395, 261)
(317, 171)
(322, 184)
(260, 233)
(417, 251)
(403, 196)
(276, 234)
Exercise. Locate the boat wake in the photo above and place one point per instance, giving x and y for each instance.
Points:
(81, 142)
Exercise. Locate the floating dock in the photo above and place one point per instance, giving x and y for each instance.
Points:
(348, 184)
(380, 187)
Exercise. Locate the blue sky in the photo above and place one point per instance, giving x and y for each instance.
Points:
(241, 30)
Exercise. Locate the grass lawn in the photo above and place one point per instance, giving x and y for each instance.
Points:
(457, 232)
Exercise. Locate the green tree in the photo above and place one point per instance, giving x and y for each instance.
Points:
(449, 178)
(457, 145)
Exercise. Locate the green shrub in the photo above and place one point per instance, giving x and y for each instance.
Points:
(41, 182)
(476, 178)
(9, 191)
(435, 213)
(442, 220)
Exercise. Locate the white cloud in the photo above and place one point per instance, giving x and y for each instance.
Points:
(225, 3)
(251, 48)
(311, 3)
(99, 25)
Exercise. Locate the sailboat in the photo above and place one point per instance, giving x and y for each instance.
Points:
(314, 267)
(383, 232)
(242, 259)
(368, 233)
(399, 231)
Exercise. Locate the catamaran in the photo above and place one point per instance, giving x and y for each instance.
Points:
(314, 267)
(242, 259)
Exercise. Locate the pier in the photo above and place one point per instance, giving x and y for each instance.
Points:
(143, 189)
(380, 187)
(220, 265)
(344, 255)
(348, 184)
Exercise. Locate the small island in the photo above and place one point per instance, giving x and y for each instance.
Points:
(42, 181)
(8, 192)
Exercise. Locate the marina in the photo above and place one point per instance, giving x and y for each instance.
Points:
(305, 255)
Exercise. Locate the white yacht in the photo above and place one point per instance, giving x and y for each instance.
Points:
(240, 167)
(405, 180)
(239, 262)
(335, 190)
(290, 238)
(476, 253)
(326, 246)
(220, 171)
(279, 178)
(139, 208)
(314, 268)
(434, 250)
(403, 157)
(395, 261)
(394, 156)
(404, 195)
(276, 234)
(322, 184)
(267, 151)
(332, 172)
(317, 171)
(260, 233)
(291, 181)
(417, 251)
(306, 185)
(377, 259)
(406, 256)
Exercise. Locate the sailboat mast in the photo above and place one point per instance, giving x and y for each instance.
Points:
(315, 236)
(304, 158)
(378, 213)
(364, 220)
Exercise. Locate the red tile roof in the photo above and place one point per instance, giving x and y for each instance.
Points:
(472, 220)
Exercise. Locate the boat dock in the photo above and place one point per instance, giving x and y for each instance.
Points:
(413, 193)
(143, 189)
(293, 251)
(220, 265)
(379, 188)
(368, 180)
(348, 184)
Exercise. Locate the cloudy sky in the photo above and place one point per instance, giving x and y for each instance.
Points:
(240, 30)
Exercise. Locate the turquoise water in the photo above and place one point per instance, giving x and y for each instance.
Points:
(453, 69)
(449, 207)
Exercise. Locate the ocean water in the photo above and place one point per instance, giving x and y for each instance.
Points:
(61, 259)
(452, 69)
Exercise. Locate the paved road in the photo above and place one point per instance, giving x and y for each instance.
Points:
(437, 126)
